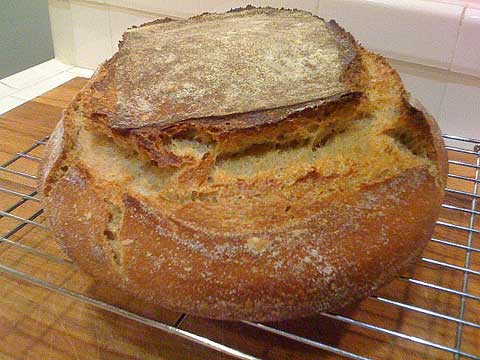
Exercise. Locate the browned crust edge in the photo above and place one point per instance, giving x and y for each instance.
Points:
(263, 294)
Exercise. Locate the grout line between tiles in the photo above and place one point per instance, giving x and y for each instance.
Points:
(19, 98)
(72, 72)
(38, 82)
(34, 83)
(442, 100)
(317, 8)
(47, 78)
(88, 76)
(11, 87)
(449, 72)
(139, 11)
(30, 98)
(109, 28)
(457, 37)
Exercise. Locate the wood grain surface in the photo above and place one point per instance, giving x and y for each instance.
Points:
(37, 323)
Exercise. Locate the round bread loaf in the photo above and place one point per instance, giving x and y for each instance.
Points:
(258, 164)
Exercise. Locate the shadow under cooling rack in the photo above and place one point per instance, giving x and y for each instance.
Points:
(433, 311)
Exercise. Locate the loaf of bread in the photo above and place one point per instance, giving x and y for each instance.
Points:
(258, 164)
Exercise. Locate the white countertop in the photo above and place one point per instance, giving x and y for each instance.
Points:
(28, 84)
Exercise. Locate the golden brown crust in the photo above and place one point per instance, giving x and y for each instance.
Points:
(347, 252)
(265, 215)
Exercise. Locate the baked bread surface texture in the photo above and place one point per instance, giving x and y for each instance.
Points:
(254, 165)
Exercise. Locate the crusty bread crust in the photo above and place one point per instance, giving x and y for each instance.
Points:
(240, 52)
(264, 215)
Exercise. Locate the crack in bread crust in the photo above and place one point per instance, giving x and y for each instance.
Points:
(264, 215)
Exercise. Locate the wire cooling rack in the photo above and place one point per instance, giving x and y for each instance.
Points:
(448, 273)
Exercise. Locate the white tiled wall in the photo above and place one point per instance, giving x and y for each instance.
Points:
(223, 5)
(186, 8)
(62, 30)
(91, 33)
(418, 31)
(176, 8)
(452, 98)
(439, 34)
(467, 54)
(87, 32)
(431, 41)
(460, 112)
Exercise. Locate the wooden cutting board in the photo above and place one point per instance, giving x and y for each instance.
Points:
(36, 323)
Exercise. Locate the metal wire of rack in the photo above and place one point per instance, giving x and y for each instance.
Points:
(468, 207)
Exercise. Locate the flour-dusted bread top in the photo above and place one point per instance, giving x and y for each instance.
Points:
(221, 64)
